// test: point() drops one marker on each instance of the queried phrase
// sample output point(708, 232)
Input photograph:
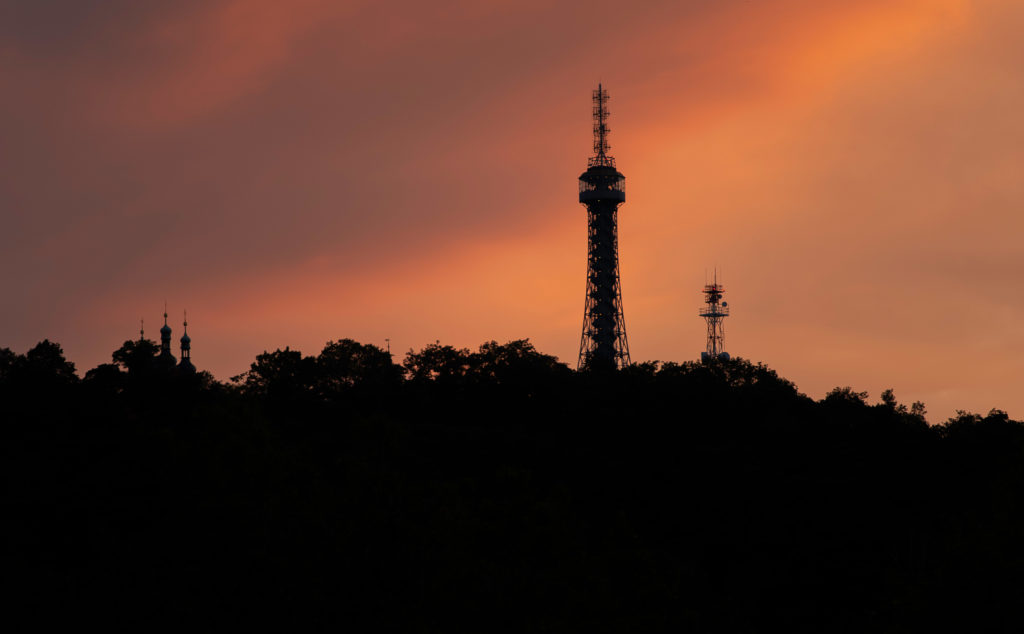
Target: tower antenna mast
point(601, 130)
point(714, 313)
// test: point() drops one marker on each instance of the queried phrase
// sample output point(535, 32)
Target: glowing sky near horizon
point(297, 172)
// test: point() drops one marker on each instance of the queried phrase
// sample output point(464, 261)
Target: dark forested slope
point(498, 490)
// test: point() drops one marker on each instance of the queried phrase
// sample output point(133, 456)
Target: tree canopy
point(498, 489)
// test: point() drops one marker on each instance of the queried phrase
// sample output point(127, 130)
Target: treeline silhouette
point(498, 490)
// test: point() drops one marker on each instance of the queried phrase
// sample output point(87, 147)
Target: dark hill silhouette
point(498, 490)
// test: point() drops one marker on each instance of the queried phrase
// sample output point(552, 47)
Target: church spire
point(186, 349)
point(166, 357)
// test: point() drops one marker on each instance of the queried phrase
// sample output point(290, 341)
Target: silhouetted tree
point(889, 400)
point(106, 377)
point(967, 425)
point(516, 362)
point(345, 366)
point(281, 375)
point(137, 357)
point(846, 396)
point(441, 363)
point(46, 359)
point(645, 370)
point(42, 367)
point(915, 414)
point(8, 361)
point(917, 410)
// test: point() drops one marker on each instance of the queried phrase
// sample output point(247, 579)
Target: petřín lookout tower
point(602, 190)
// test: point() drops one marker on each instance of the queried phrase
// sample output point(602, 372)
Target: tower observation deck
point(603, 343)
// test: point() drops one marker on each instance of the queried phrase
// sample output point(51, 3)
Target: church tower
point(186, 350)
point(166, 359)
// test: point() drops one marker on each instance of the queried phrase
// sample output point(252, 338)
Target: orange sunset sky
point(294, 172)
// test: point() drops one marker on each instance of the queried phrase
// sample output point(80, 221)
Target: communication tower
point(714, 313)
point(602, 189)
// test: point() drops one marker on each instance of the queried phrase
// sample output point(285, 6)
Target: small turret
point(186, 350)
point(166, 359)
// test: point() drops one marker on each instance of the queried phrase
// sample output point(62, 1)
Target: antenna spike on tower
point(601, 130)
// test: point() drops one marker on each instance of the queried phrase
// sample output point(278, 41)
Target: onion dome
point(186, 351)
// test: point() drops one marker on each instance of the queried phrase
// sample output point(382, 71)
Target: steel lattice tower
point(714, 313)
point(602, 189)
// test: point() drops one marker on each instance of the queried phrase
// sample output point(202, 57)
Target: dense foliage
point(498, 490)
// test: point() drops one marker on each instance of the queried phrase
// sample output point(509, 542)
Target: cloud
point(304, 171)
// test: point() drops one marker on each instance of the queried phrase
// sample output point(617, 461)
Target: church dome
point(165, 330)
point(186, 339)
